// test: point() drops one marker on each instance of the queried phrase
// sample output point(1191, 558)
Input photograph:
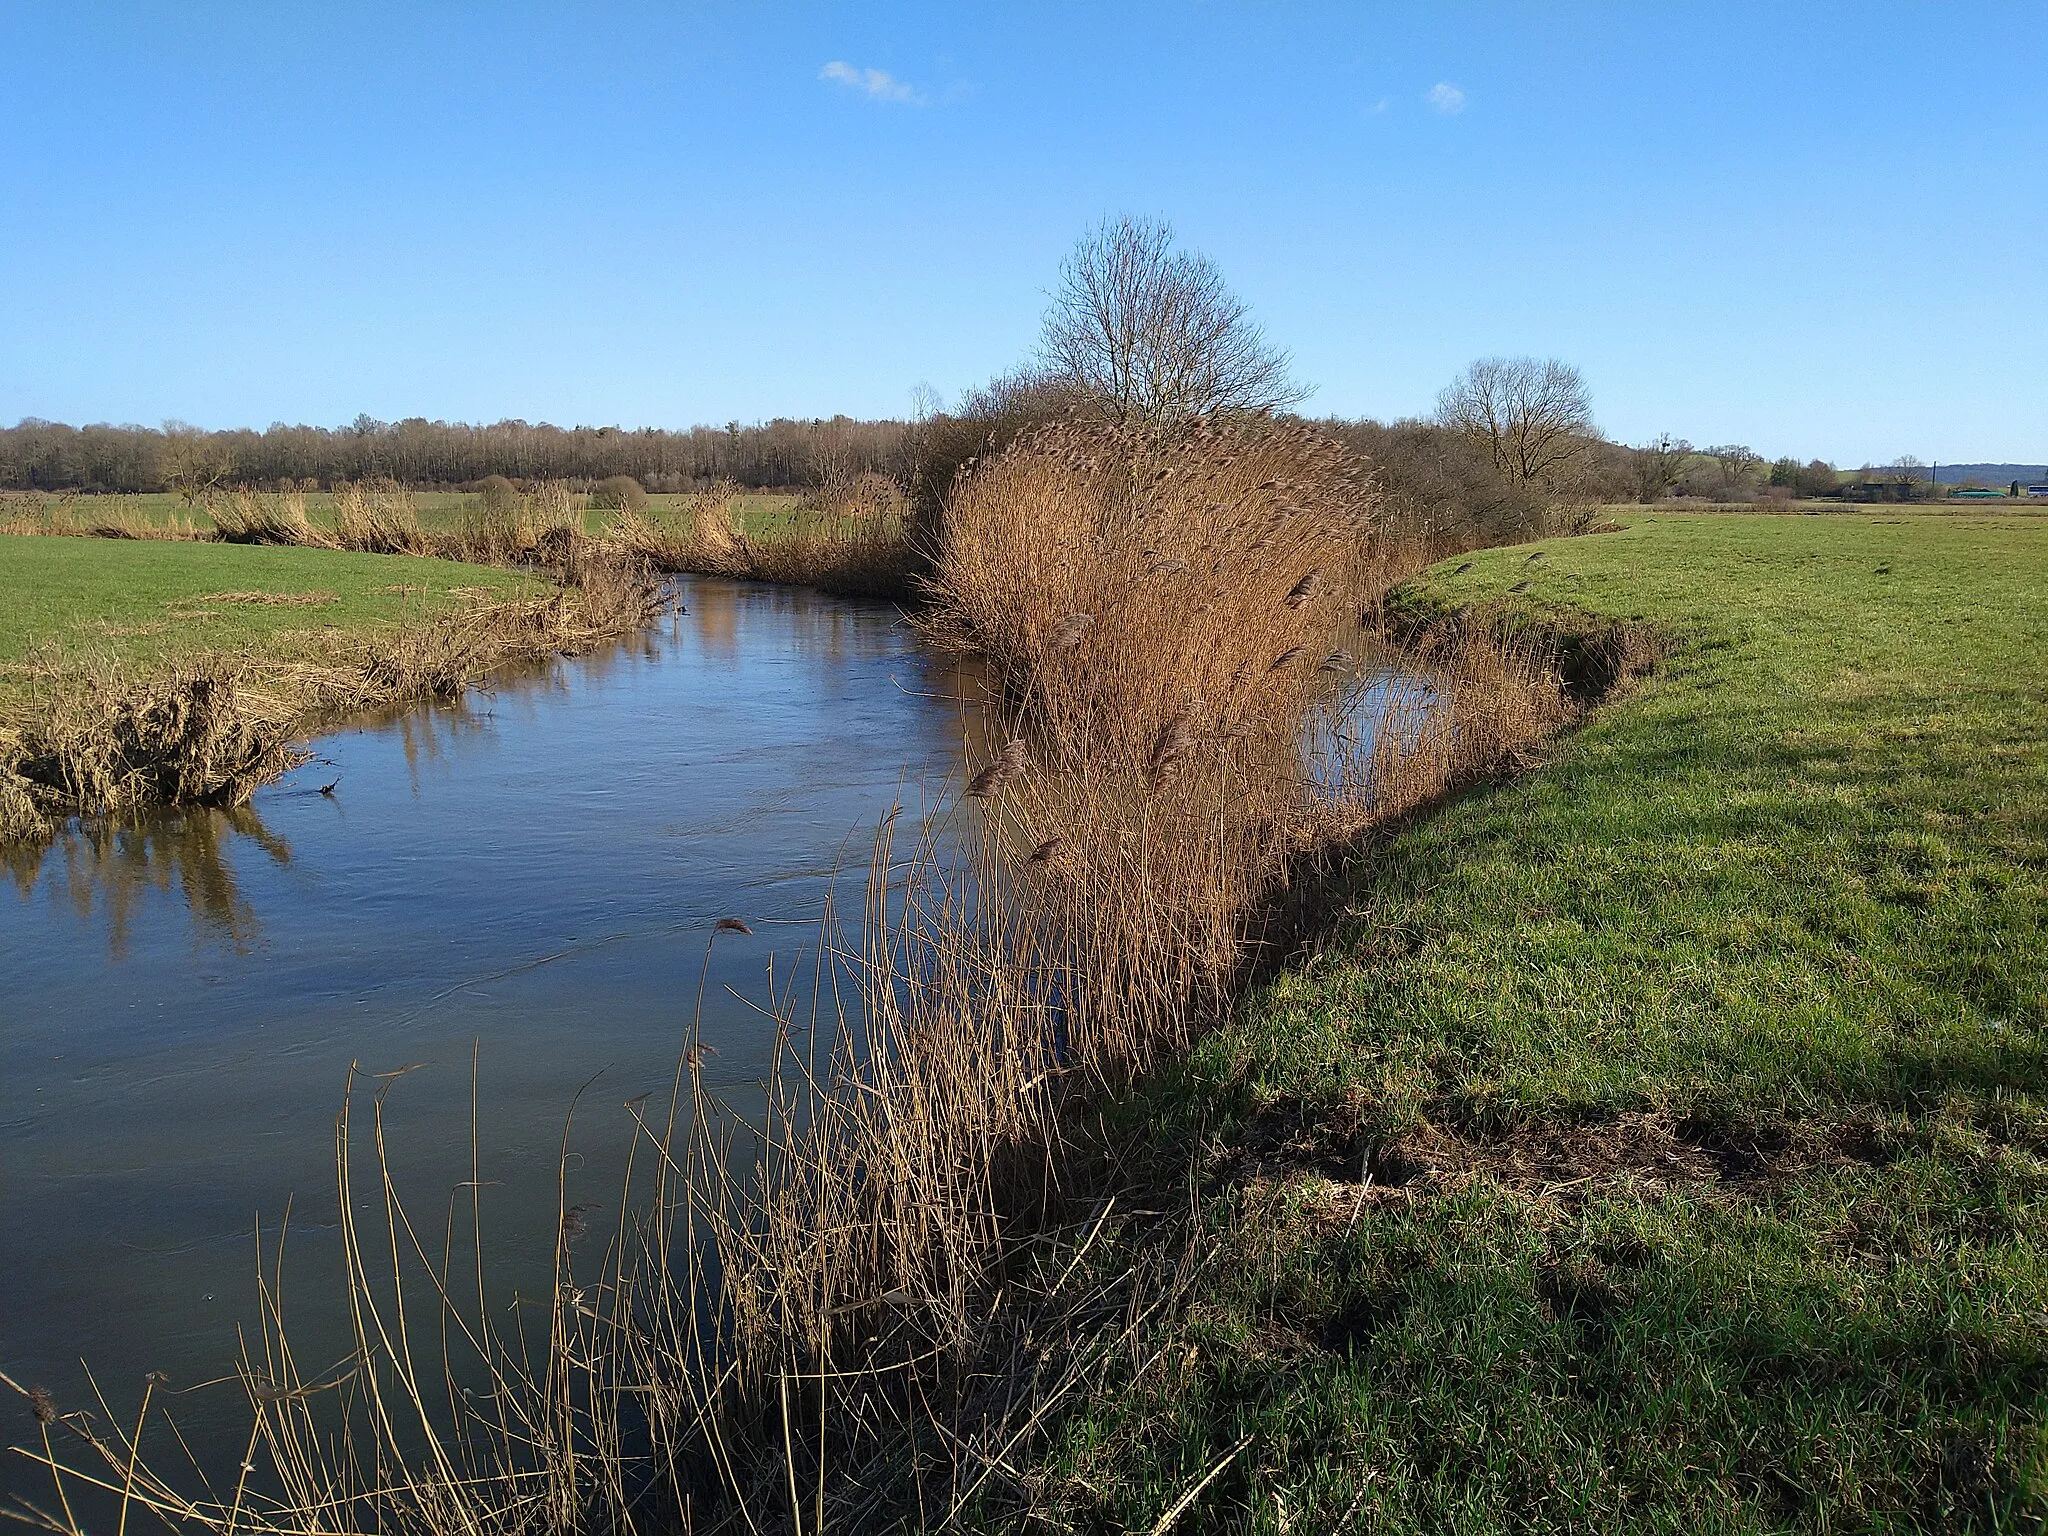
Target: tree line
point(48, 455)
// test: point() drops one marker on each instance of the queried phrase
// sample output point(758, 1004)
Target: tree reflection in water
point(108, 869)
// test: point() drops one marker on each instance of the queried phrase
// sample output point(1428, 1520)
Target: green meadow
point(150, 601)
point(1660, 1139)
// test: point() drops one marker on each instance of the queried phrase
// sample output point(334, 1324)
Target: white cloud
point(1445, 97)
point(1381, 105)
point(875, 84)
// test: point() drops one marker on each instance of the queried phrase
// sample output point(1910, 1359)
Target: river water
point(524, 880)
point(504, 900)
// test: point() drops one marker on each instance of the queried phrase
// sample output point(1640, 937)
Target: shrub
point(619, 493)
point(1139, 586)
point(1440, 488)
point(498, 495)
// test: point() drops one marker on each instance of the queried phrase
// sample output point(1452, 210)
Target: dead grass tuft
point(378, 517)
point(243, 516)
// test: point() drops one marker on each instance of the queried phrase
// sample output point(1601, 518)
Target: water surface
point(525, 879)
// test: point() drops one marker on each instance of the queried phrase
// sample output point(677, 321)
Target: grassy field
point(1701, 1079)
point(145, 601)
point(439, 511)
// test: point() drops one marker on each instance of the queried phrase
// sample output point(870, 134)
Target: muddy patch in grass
point(1642, 1153)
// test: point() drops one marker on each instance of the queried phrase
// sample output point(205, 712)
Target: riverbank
point(1660, 1139)
point(135, 672)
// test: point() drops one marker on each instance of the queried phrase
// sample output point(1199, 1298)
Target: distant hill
point(1990, 474)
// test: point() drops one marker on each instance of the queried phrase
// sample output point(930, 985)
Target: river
point(524, 879)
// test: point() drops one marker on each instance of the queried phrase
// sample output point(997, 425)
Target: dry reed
point(87, 516)
point(378, 517)
point(849, 537)
point(257, 517)
point(503, 527)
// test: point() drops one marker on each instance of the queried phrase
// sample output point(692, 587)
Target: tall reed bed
point(849, 536)
point(244, 516)
point(497, 527)
point(378, 517)
point(504, 526)
point(861, 1302)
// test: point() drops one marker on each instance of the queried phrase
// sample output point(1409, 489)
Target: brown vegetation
point(619, 493)
point(379, 518)
point(849, 536)
point(503, 526)
point(36, 512)
point(251, 517)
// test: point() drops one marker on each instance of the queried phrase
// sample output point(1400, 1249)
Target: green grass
point(1705, 1069)
point(139, 600)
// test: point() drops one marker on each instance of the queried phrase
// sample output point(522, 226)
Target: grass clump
point(378, 517)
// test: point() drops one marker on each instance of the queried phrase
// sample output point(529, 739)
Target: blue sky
point(1815, 229)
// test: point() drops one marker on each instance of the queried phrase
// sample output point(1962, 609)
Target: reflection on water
point(527, 874)
point(1372, 710)
point(106, 872)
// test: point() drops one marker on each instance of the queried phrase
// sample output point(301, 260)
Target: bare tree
point(1739, 460)
point(193, 462)
point(1657, 464)
point(1153, 335)
point(1535, 416)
